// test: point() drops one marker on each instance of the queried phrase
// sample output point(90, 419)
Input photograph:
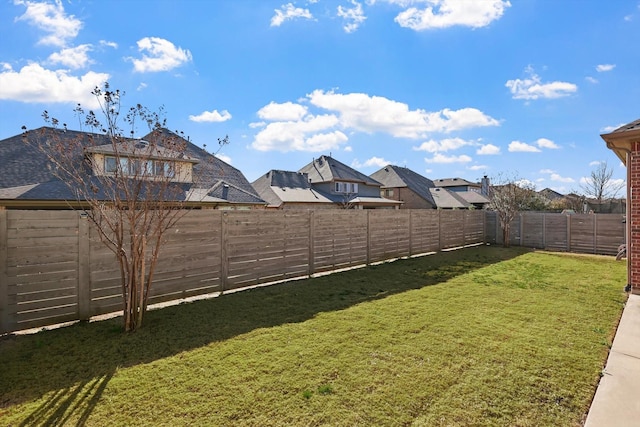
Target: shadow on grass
point(76, 362)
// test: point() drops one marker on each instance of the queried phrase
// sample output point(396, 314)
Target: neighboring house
point(27, 180)
point(550, 194)
point(290, 190)
point(347, 187)
point(416, 191)
point(475, 194)
point(625, 142)
point(407, 186)
point(446, 199)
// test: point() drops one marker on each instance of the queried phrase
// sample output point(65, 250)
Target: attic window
point(138, 167)
point(346, 187)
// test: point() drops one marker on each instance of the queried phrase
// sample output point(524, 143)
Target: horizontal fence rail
point(600, 234)
point(54, 268)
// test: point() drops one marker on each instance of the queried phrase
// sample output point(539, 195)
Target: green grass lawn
point(474, 337)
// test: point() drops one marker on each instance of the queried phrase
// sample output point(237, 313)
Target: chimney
point(484, 186)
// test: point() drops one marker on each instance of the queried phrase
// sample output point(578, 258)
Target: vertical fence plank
point(224, 244)
point(439, 229)
point(368, 238)
point(312, 248)
point(84, 271)
point(568, 233)
point(4, 280)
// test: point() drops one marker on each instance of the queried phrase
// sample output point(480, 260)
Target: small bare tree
point(133, 191)
point(600, 184)
point(507, 198)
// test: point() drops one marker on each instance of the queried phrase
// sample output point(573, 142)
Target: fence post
point(4, 279)
point(439, 230)
point(224, 259)
point(410, 232)
point(544, 230)
point(595, 233)
point(84, 270)
point(368, 238)
point(312, 249)
point(521, 229)
point(568, 233)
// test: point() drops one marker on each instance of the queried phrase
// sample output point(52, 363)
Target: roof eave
point(622, 143)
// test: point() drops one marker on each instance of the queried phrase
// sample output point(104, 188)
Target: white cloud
point(113, 45)
point(605, 67)
point(313, 133)
point(595, 163)
point(211, 117)
point(441, 158)
point(433, 146)
point(371, 114)
point(533, 88)
point(52, 19)
point(73, 57)
point(521, 147)
point(448, 13)
point(547, 143)
point(224, 158)
point(557, 178)
point(142, 86)
point(289, 12)
point(478, 167)
point(374, 161)
point(34, 84)
point(591, 79)
point(553, 176)
point(488, 149)
point(159, 55)
point(348, 149)
point(608, 129)
point(284, 111)
point(354, 16)
point(257, 125)
point(293, 127)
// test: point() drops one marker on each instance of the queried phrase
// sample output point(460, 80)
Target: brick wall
point(411, 200)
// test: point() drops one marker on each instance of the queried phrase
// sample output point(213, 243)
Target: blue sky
point(448, 88)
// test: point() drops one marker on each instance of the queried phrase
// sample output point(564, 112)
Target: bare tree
point(600, 184)
point(133, 191)
point(507, 198)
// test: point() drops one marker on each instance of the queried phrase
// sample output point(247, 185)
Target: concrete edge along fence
point(53, 267)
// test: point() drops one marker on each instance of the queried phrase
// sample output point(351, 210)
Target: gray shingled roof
point(328, 169)
point(278, 187)
point(628, 127)
point(22, 164)
point(446, 199)
point(398, 177)
point(454, 182)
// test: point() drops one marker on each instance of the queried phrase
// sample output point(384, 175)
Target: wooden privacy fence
point(53, 267)
point(585, 233)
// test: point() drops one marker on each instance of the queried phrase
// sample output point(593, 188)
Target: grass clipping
point(479, 336)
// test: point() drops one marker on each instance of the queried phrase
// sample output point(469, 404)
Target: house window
point(110, 165)
point(388, 192)
point(138, 167)
point(346, 187)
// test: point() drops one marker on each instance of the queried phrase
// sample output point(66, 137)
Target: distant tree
point(130, 190)
point(508, 197)
point(600, 184)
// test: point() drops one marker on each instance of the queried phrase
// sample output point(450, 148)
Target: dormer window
point(346, 187)
point(138, 167)
point(141, 160)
